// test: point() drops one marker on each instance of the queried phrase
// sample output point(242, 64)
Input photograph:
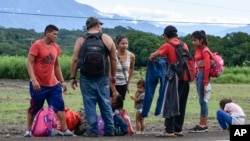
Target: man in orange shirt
point(46, 79)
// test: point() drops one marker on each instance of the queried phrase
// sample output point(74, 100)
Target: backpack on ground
point(72, 119)
point(92, 59)
point(82, 126)
point(44, 123)
point(185, 65)
point(217, 68)
point(100, 125)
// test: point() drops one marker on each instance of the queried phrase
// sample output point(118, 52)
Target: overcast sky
point(208, 11)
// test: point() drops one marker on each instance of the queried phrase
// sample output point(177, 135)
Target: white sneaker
point(67, 133)
point(27, 134)
point(138, 132)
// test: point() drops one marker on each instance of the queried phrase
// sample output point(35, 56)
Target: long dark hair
point(200, 35)
point(119, 38)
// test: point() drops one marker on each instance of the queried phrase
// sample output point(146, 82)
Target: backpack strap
point(201, 62)
point(99, 35)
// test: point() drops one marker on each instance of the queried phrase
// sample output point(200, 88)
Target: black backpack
point(92, 59)
point(185, 64)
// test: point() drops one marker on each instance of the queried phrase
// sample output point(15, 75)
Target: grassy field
point(14, 101)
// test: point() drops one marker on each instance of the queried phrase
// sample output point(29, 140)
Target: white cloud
point(206, 11)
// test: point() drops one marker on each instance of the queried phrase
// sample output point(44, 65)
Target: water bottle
point(207, 92)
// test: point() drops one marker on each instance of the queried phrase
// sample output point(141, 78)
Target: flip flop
point(163, 135)
point(179, 134)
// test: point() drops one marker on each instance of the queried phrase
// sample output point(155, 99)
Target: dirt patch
point(9, 130)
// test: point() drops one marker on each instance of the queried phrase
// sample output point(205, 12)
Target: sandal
point(166, 135)
point(179, 134)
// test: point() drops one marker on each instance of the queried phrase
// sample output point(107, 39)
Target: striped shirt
point(120, 78)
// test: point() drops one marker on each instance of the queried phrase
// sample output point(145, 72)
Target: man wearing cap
point(97, 89)
point(176, 95)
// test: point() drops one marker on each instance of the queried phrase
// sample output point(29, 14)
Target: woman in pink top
point(230, 114)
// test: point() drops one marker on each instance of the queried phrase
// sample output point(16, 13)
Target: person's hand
point(64, 86)
point(115, 94)
point(73, 83)
point(36, 86)
point(112, 80)
point(152, 57)
point(132, 97)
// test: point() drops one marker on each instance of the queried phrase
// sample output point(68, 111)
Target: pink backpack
point(44, 122)
point(218, 68)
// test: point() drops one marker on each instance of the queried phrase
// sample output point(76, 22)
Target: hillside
point(68, 14)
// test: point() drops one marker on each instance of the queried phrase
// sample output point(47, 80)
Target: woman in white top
point(230, 114)
point(125, 67)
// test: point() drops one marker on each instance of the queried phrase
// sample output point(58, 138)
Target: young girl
point(202, 57)
point(138, 98)
point(230, 114)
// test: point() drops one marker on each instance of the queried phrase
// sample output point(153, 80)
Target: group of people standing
point(46, 80)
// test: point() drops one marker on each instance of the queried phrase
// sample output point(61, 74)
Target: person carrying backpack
point(94, 54)
point(199, 40)
point(177, 89)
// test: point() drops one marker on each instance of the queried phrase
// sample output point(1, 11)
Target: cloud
point(143, 13)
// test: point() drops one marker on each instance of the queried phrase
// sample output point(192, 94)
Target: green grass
point(14, 102)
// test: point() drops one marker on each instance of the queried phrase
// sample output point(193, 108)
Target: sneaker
point(67, 133)
point(85, 134)
point(137, 132)
point(110, 134)
point(55, 132)
point(199, 129)
point(27, 134)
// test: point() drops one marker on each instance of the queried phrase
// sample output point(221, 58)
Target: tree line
point(234, 47)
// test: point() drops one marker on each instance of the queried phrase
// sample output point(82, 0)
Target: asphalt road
point(209, 136)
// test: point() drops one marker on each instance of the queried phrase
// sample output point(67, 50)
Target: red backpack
point(72, 119)
point(218, 67)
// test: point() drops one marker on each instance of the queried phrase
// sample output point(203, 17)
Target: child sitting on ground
point(121, 127)
point(230, 114)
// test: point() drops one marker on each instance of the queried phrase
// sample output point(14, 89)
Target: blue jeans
point(118, 120)
point(224, 119)
point(155, 71)
point(97, 91)
point(200, 91)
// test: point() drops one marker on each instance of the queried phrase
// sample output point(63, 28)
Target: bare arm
point(112, 57)
point(136, 99)
point(131, 68)
point(29, 66)
point(153, 55)
point(74, 63)
point(58, 74)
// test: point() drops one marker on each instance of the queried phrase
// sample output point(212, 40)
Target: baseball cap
point(170, 29)
point(92, 21)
